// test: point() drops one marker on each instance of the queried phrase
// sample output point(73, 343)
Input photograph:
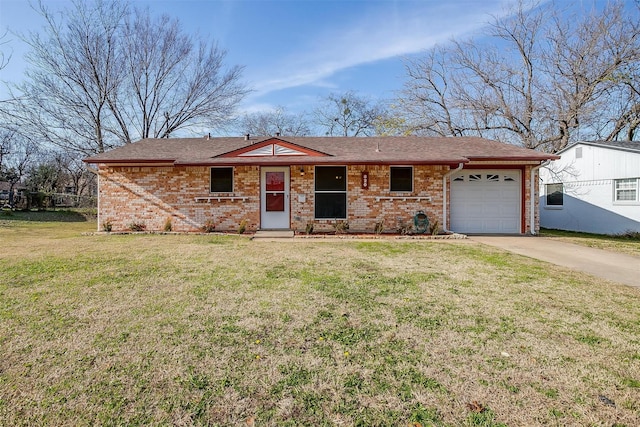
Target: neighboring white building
point(594, 187)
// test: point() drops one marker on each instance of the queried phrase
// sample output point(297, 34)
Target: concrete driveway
point(608, 265)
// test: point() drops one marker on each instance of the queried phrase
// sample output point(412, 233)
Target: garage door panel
point(486, 201)
point(493, 211)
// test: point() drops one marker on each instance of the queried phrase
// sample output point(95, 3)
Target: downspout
point(532, 201)
point(444, 195)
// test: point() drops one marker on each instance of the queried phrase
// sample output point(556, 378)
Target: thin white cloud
point(374, 37)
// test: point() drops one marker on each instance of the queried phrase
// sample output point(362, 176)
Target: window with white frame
point(555, 194)
point(401, 178)
point(626, 190)
point(221, 180)
point(331, 192)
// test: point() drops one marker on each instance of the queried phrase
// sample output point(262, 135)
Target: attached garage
point(486, 201)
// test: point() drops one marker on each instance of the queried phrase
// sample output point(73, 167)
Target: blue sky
point(296, 51)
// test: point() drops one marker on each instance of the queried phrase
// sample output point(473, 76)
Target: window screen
point(331, 192)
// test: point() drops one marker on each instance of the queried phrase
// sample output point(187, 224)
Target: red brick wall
point(152, 195)
point(527, 207)
point(363, 210)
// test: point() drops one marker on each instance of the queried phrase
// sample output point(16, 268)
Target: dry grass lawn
point(626, 244)
point(220, 330)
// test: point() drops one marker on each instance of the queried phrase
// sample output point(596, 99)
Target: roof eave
point(532, 159)
point(94, 160)
point(292, 160)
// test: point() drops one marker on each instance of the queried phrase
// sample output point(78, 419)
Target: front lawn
point(626, 244)
point(221, 330)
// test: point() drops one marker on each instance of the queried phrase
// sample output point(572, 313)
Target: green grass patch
point(52, 215)
point(627, 243)
point(220, 330)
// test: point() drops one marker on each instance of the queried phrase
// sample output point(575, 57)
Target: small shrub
point(630, 234)
point(341, 227)
point(379, 227)
point(137, 226)
point(243, 226)
point(107, 226)
point(209, 226)
point(168, 226)
point(404, 228)
point(434, 228)
point(309, 228)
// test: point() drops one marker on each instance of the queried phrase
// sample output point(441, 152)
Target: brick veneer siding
point(152, 195)
point(363, 210)
point(527, 193)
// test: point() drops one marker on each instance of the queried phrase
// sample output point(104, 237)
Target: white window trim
point(626, 202)
point(412, 179)
point(233, 179)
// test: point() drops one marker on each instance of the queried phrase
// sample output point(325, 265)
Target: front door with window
point(274, 198)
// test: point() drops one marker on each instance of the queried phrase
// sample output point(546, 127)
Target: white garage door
point(485, 201)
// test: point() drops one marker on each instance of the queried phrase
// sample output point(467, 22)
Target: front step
point(274, 234)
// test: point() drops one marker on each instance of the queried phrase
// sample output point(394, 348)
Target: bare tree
point(348, 114)
point(102, 75)
point(275, 122)
point(547, 80)
point(74, 68)
point(19, 153)
point(171, 81)
point(7, 136)
point(428, 100)
point(4, 57)
point(584, 61)
point(623, 120)
point(75, 174)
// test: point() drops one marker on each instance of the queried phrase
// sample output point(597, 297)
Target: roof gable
point(273, 147)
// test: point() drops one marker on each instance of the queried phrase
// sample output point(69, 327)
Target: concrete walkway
point(608, 265)
point(273, 234)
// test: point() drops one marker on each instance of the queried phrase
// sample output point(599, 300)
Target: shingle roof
point(369, 150)
point(633, 146)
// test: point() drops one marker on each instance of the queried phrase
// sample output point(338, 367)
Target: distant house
point(594, 187)
point(5, 193)
point(468, 185)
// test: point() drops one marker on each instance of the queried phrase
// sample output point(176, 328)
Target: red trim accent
point(523, 204)
point(248, 148)
point(543, 156)
point(513, 167)
point(523, 201)
point(260, 195)
point(303, 160)
point(126, 161)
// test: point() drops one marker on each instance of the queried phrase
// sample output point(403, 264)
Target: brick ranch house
point(466, 184)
